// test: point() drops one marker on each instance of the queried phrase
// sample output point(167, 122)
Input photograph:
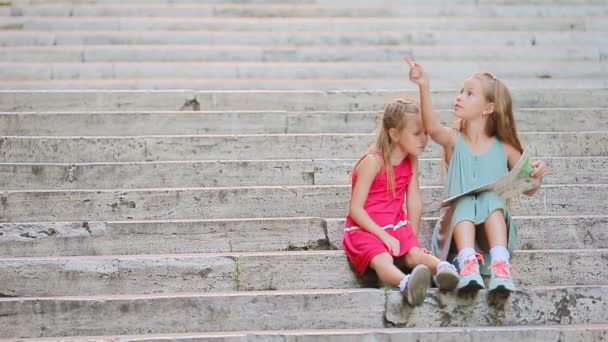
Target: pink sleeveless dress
point(387, 211)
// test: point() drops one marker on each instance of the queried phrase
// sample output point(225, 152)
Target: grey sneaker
point(447, 277)
point(419, 282)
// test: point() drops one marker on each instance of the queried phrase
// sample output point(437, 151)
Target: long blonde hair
point(394, 116)
point(501, 123)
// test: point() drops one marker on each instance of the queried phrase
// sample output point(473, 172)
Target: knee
point(414, 255)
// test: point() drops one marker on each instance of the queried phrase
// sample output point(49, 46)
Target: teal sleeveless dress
point(467, 171)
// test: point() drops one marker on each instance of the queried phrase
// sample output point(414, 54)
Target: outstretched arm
point(440, 134)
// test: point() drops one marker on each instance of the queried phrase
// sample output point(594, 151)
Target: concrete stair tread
point(292, 100)
point(211, 272)
point(304, 10)
point(314, 309)
point(240, 173)
point(241, 202)
point(268, 84)
point(129, 123)
point(40, 239)
point(437, 334)
point(87, 149)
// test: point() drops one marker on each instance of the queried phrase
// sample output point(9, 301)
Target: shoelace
point(501, 269)
point(471, 265)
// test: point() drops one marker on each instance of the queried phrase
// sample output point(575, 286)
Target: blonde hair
point(501, 122)
point(394, 116)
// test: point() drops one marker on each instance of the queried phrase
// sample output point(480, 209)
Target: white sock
point(464, 255)
point(403, 283)
point(445, 264)
point(500, 253)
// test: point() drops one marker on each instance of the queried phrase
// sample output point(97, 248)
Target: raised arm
point(442, 135)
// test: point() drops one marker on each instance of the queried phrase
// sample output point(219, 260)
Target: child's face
point(413, 138)
point(471, 103)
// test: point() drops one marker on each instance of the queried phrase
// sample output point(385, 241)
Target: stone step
point(306, 309)
point(570, 332)
point(233, 84)
point(172, 21)
point(293, 70)
point(334, 2)
point(96, 315)
point(515, 39)
point(253, 235)
point(263, 202)
point(310, 10)
point(261, 100)
point(263, 122)
point(78, 149)
point(287, 53)
point(226, 173)
point(179, 273)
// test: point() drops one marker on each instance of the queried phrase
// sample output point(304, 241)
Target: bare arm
point(414, 203)
point(440, 134)
point(367, 170)
point(540, 167)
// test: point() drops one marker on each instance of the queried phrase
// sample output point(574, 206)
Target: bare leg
point(496, 229)
point(385, 268)
point(416, 257)
point(464, 235)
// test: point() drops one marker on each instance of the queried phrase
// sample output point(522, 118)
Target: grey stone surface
point(258, 100)
point(291, 70)
point(251, 202)
point(532, 306)
point(162, 237)
point(75, 149)
point(37, 176)
point(150, 314)
point(73, 276)
point(279, 53)
point(264, 122)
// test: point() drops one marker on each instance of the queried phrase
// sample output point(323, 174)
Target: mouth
point(457, 106)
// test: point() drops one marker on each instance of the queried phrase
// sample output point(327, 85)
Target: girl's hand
point(540, 169)
point(391, 243)
point(417, 74)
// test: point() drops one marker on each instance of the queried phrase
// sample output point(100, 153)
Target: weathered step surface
point(571, 332)
point(76, 149)
point(256, 100)
point(257, 38)
point(293, 70)
point(178, 273)
point(312, 10)
point(285, 53)
point(42, 239)
point(263, 122)
point(311, 309)
point(242, 84)
point(97, 21)
point(232, 311)
point(246, 202)
point(225, 173)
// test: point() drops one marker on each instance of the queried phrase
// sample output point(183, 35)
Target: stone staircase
point(179, 169)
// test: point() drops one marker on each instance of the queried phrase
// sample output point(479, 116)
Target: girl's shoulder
point(371, 162)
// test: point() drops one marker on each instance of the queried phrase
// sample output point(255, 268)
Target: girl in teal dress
point(483, 148)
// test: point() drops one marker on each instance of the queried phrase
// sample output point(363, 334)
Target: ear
point(488, 108)
point(392, 132)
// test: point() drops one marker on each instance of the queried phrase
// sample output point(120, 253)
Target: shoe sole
point(501, 289)
point(472, 286)
point(420, 280)
point(447, 281)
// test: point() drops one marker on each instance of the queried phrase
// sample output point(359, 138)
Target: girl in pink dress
point(378, 229)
